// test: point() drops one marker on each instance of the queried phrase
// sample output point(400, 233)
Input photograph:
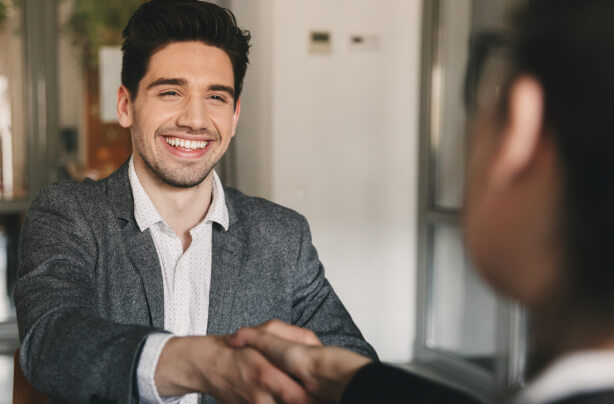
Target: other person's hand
point(324, 371)
point(231, 375)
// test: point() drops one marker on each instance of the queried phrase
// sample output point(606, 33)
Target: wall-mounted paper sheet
point(110, 58)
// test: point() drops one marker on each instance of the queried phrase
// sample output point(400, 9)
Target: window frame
point(510, 323)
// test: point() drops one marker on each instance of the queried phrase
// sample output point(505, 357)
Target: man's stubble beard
point(167, 176)
point(174, 180)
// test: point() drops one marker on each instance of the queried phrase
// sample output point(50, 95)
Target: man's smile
point(186, 148)
point(185, 143)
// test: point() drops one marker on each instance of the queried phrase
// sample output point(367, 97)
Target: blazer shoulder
point(254, 210)
point(67, 194)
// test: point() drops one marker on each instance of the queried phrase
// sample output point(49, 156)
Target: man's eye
point(169, 93)
point(218, 98)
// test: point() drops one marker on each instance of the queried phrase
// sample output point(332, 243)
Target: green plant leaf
point(2, 13)
point(96, 23)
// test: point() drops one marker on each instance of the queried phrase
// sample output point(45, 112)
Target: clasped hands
point(271, 363)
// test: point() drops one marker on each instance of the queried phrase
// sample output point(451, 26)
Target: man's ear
point(235, 119)
point(521, 132)
point(124, 107)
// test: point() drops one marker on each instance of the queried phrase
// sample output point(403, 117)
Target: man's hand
point(323, 371)
point(231, 375)
point(288, 332)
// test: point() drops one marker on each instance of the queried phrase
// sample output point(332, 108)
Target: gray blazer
point(89, 288)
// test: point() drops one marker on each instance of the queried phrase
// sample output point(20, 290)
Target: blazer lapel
point(227, 258)
point(144, 257)
point(139, 245)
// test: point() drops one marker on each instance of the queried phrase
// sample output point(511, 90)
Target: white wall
point(334, 136)
point(253, 144)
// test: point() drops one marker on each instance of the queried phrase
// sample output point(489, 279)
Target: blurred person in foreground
point(539, 219)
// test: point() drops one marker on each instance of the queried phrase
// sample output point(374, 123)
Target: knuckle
point(269, 324)
point(310, 337)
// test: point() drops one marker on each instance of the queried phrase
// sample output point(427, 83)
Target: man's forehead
point(190, 60)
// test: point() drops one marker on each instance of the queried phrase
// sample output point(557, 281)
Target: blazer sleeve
point(69, 351)
point(316, 305)
point(379, 383)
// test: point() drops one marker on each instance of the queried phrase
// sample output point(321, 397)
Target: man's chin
point(173, 178)
point(183, 182)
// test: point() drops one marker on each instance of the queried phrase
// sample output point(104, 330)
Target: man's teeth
point(186, 144)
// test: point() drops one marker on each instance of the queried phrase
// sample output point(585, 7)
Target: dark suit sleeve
point(379, 383)
point(316, 305)
point(69, 351)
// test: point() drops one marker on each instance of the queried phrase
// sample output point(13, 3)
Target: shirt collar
point(218, 211)
point(146, 214)
point(575, 373)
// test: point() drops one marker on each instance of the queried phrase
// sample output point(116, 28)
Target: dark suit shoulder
point(595, 397)
point(380, 383)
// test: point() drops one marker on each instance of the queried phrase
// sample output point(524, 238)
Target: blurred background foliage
point(2, 12)
point(92, 23)
point(5, 6)
point(96, 23)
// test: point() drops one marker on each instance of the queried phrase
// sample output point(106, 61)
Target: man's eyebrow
point(167, 82)
point(163, 81)
point(221, 87)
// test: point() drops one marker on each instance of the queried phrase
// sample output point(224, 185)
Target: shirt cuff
point(148, 392)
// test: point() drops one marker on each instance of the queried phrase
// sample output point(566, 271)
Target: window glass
point(448, 120)
point(463, 309)
point(13, 145)
point(13, 148)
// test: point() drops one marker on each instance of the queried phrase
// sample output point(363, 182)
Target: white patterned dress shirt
point(186, 280)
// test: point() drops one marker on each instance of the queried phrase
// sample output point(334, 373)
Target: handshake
point(271, 363)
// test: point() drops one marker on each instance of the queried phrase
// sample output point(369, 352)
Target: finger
point(284, 388)
point(246, 336)
point(236, 340)
point(290, 332)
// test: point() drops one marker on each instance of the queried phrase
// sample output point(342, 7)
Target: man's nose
point(194, 115)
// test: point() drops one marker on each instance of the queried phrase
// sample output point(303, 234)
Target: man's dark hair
point(568, 46)
point(158, 23)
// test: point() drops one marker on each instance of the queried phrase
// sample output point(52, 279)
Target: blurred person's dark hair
point(568, 46)
point(483, 46)
point(158, 23)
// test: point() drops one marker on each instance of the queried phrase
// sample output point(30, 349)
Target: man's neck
point(181, 208)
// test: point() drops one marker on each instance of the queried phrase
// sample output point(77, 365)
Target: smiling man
point(128, 285)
